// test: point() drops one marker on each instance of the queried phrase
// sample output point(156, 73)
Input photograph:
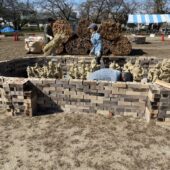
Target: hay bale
point(59, 49)
point(110, 30)
point(82, 29)
point(78, 46)
point(55, 45)
point(121, 47)
point(62, 26)
point(106, 47)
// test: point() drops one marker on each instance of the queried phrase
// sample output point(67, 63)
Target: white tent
point(148, 18)
point(167, 18)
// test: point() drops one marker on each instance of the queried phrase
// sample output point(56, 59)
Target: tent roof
point(168, 18)
point(148, 18)
point(7, 29)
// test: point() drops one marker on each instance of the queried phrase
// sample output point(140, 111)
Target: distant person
point(48, 32)
point(96, 41)
point(107, 74)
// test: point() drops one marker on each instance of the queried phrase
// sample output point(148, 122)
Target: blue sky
point(79, 1)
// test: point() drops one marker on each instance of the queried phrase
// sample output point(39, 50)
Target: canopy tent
point(7, 30)
point(148, 18)
point(168, 18)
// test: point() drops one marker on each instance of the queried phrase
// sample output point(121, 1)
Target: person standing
point(96, 41)
point(48, 32)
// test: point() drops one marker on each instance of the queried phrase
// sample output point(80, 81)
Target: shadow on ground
point(137, 52)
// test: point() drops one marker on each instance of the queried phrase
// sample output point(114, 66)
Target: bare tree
point(103, 9)
point(160, 6)
point(125, 8)
point(99, 9)
point(156, 6)
point(1, 3)
point(1, 7)
point(86, 9)
point(13, 10)
point(116, 9)
point(57, 8)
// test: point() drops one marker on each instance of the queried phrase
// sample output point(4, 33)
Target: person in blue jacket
point(96, 41)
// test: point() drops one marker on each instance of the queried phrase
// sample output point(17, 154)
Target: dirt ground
point(10, 49)
point(153, 47)
point(79, 141)
point(82, 142)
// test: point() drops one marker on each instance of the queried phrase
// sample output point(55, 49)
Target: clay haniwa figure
point(115, 66)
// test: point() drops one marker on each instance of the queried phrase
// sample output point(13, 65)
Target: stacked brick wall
point(20, 96)
point(14, 99)
point(158, 104)
point(152, 107)
point(164, 105)
point(92, 96)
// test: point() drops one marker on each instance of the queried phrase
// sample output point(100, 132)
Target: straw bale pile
point(110, 30)
point(78, 46)
point(121, 47)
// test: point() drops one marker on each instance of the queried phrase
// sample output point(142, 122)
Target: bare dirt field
point(10, 49)
point(80, 141)
point(153, 47)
